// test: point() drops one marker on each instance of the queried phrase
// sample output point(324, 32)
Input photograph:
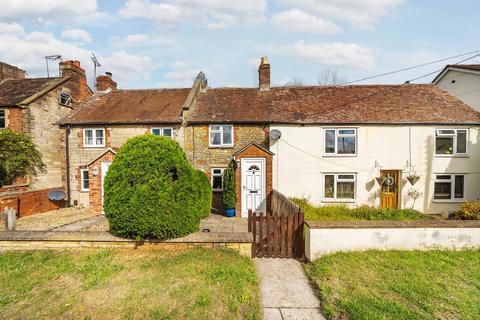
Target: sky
point(165, 43)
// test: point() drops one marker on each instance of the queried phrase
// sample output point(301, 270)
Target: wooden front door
point(389, 188)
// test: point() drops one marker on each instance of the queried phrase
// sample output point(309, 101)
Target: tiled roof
point(14, 91)
point(475, 67)
point(355, 104)
point(131, 106)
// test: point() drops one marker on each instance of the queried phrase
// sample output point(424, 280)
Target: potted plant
point(413, 178)
point(229, 196)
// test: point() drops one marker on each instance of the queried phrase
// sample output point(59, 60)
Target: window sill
point(452, 156)
point(217, 190)
point(93, 147)
point(327, 155)
point(85, 191)
point(221, 147)
point(338, 201)
point(449, 201)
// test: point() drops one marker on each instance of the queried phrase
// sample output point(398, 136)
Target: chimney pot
point(264, 75)
point(109, 74)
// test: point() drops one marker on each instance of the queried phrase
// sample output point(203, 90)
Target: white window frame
point(222, 171)
point(4, 118)
point(438, 132)
point(161, 129)
point(335, 181)
point(452, 187)
point(94, 138)
point(222, 144)
point(82, 188)
point(337, 135)
point(68, 97)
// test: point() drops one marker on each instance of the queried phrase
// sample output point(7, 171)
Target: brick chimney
point(8, 71)
point(78, 80)
point(106, 83)
point(264, 75)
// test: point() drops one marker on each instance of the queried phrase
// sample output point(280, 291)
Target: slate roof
point(131, 107)
point(14, 91)
point(354, 104)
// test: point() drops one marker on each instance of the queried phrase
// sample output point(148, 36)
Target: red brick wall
point(95, 186)
point(28, 203)
point(253, 152)
point(15, 119)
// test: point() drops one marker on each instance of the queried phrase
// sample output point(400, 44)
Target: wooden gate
point(276, 235)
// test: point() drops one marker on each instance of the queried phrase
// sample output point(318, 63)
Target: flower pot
point(230, 213)
point(413, 179)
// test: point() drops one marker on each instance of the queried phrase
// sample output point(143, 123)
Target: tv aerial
point(96, 64)
point(52, 58)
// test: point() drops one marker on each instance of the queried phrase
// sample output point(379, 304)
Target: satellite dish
point(275, 134)
point(56, 195)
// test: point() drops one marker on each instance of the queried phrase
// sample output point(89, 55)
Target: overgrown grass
point(343, 213)
point(399, 284)
point(198, 284)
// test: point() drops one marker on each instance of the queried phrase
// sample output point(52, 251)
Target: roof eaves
point(44, 91)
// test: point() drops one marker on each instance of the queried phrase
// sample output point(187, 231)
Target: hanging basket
point(413, 179)
point(380, 180)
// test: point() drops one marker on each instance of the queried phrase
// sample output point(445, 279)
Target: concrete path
point(285, 292)
point(82, 224)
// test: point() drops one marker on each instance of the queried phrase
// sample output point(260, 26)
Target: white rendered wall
point(463, 85)
point(299, 163)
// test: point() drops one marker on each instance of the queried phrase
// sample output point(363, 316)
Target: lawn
point(198, 284)
point(399, 284)
point(343, 213)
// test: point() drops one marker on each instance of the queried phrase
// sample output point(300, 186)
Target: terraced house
point(383, 145)
point(33, 106)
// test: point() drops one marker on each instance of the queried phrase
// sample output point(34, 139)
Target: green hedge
point(205, 194)
point(344, 213)
point(229, 194)
point(152, 191)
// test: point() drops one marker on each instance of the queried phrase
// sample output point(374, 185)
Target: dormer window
point(65, 99)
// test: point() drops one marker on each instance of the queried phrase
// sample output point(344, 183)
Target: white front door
point(105, 166)
point(253, 186)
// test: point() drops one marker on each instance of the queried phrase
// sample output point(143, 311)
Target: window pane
point(461, 141)
point(329, 141)
point(443, 190)
point(444, 177)
point(215, 128)
point(217, 182)
point(446, 131)
point(215, 138)
point(85, 181)
point(329, 186)
point(217, 171)
point(167, 132)
point(2, 119)
point(346, 145)
point(444, 145)
point(346, 177)
point(88, 137)
point(227, 135)
point(156, 131)
point(459, 185)
point(349, 131)
point(345, 190)
point(99, 137)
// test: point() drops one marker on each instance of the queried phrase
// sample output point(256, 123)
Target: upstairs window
point(3, 123)
point(217, 179)
point(165, 132)
point(94, 137)
point(451, 142)
point(221, 136)
point(65, 99)
point(339, 186)
point(449, 187)
point(340, 141)
point(85, 181)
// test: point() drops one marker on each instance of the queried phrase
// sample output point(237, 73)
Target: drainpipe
point(67, 160)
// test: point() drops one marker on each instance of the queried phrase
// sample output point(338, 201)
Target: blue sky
point(164, 43)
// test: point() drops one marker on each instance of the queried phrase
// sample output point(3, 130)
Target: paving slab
point(285, 292)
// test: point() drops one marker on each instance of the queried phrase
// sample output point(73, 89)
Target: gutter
point(67, 166)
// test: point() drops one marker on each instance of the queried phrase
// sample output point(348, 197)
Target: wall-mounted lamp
point(95, 171)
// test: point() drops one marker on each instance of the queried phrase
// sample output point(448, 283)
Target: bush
point(152, 191)
point(344, 213)
point(470, 210)
point(229, 195)
point(205, 194)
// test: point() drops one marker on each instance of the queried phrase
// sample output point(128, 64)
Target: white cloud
point(127, 67)
point(299, 21)
point(212, 14)
point(140, 39)
point(254, 62)
point(77, 34)
point(49, 9)
point(333, 54)
point(360, 14)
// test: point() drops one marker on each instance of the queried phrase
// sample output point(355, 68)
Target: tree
point(229, 195)
point(152, 191)
point(19, 157)
point(329, 77)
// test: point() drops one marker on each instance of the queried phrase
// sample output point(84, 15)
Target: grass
point(399, 284)
point(344, 213)
point(198, 284)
